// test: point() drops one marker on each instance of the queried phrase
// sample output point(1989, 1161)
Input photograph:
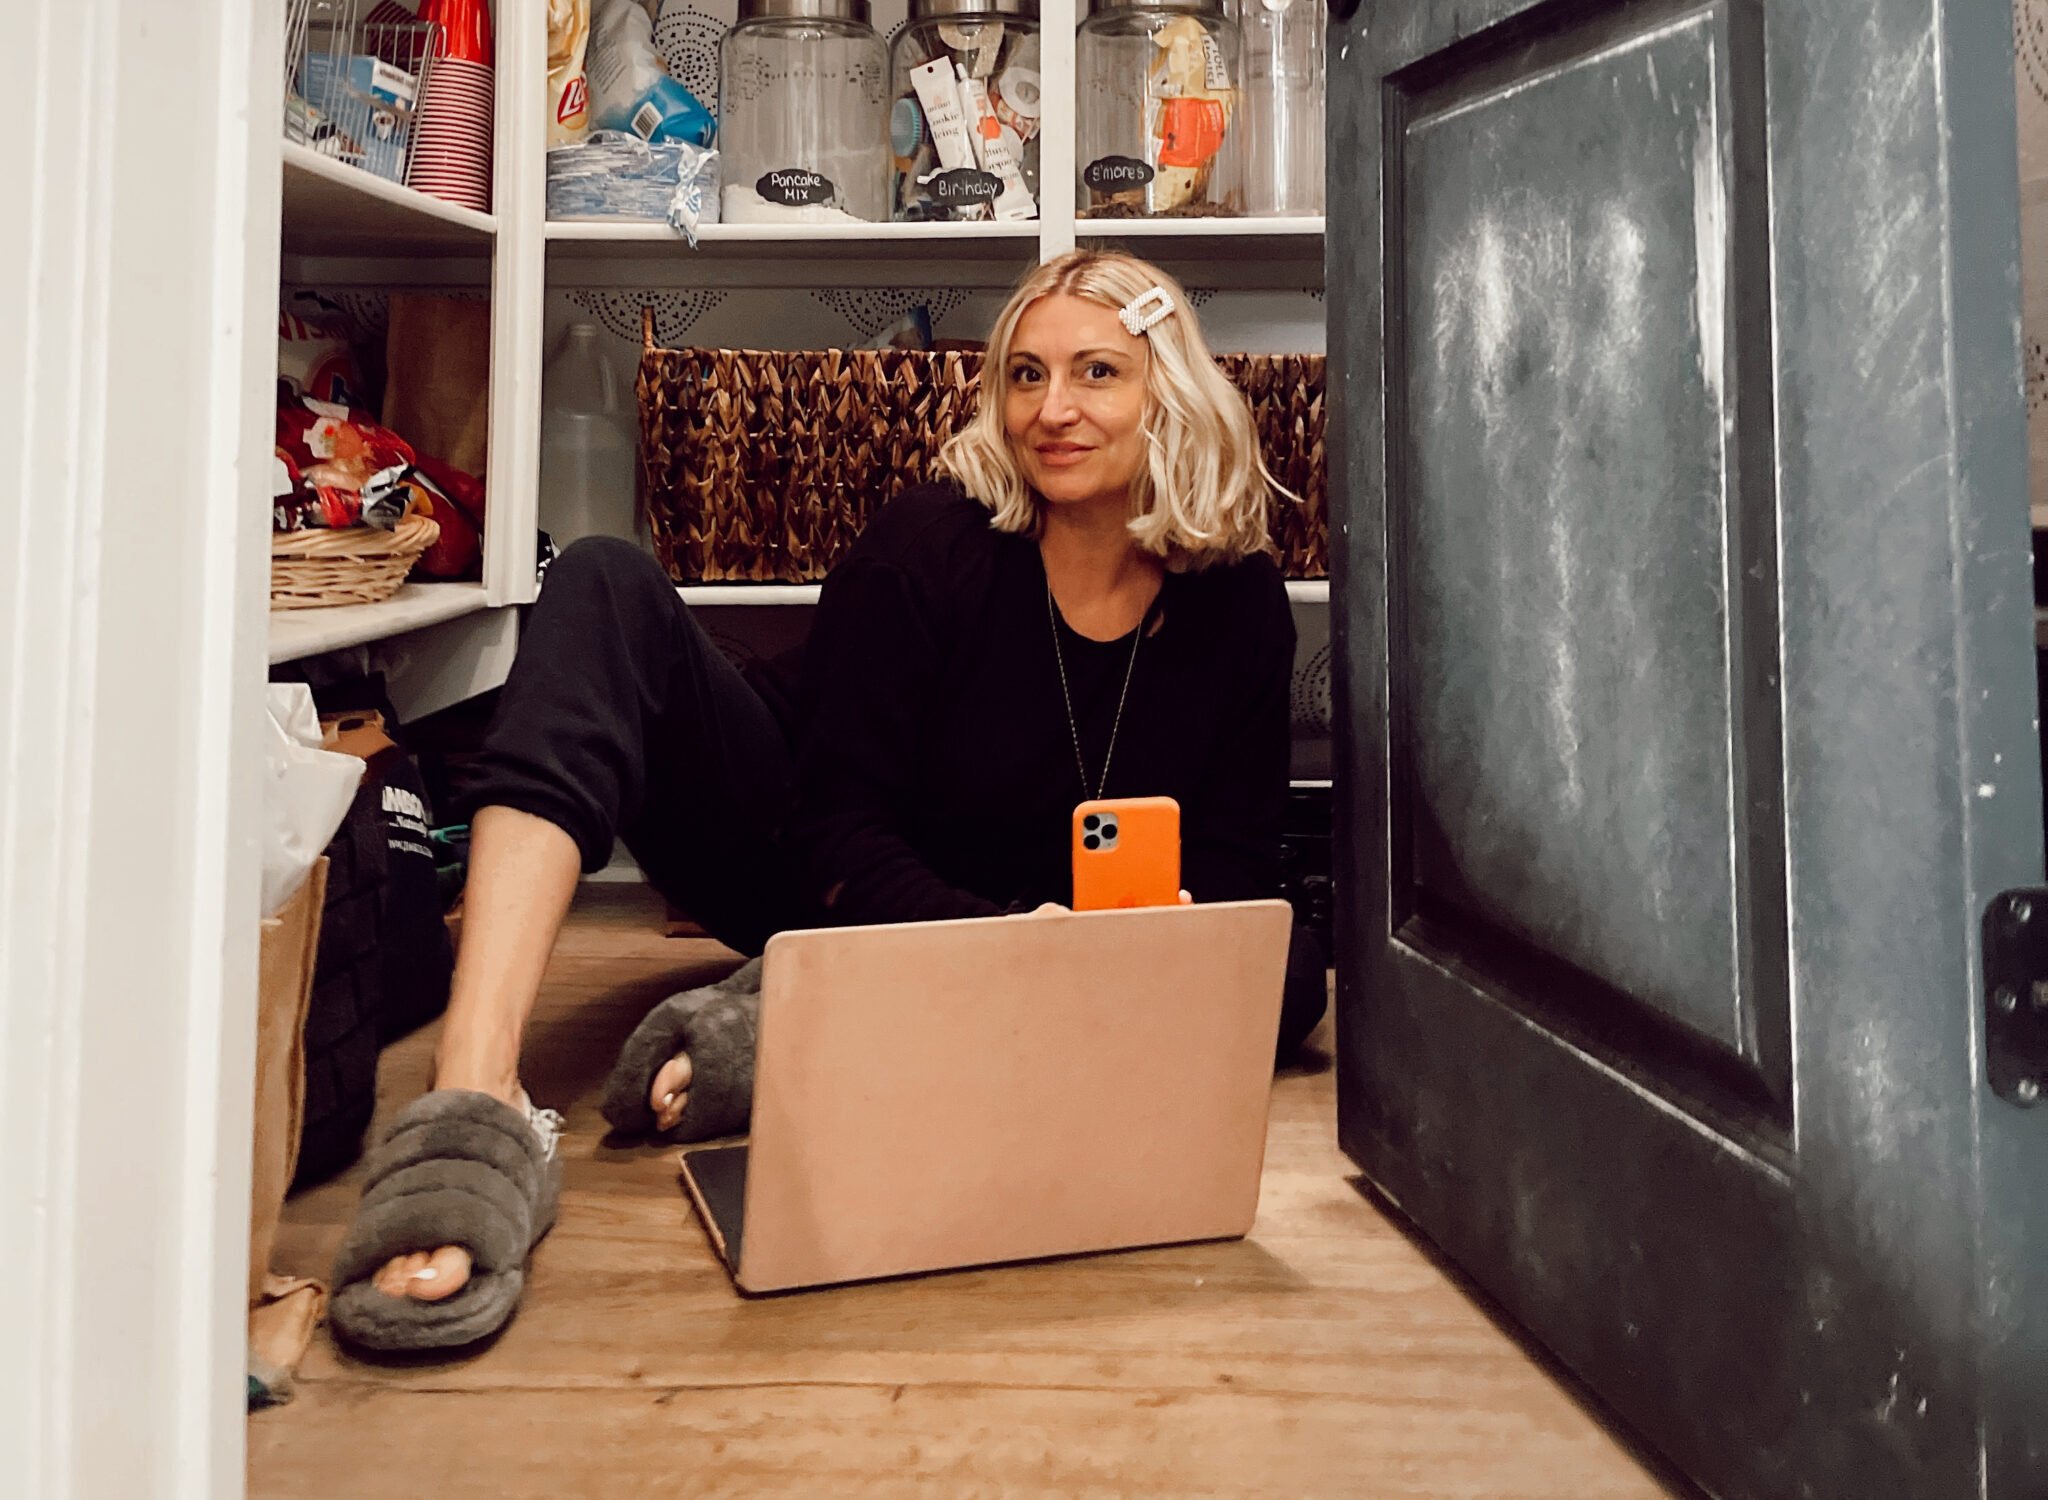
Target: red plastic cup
point(466, 27)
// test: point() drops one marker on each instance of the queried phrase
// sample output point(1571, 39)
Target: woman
point(1084, 608)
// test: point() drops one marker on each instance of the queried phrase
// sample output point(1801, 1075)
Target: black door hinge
point(2016, 996)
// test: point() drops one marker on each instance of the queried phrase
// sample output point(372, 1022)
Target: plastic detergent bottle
point(586, 443)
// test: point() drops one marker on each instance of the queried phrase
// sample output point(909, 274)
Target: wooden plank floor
point(1324, 1355)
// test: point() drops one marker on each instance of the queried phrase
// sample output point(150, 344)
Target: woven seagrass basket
point(358, 565)
point(763, 467)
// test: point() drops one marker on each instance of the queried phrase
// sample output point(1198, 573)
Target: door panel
point(1567, 667)
point(1683, 680)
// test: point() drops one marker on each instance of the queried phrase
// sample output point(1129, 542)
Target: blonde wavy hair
point(1200, 497)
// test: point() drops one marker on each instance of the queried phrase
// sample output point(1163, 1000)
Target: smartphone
point(1126, 853)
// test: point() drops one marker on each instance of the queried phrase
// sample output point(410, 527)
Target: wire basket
point(353, 83)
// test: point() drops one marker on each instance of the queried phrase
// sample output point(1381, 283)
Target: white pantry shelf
point(1222, 230)
point(1239, 252)
point(1299, 591)
point(334, 209)
point(295, 633)
point(701, 594)
point(774, 255)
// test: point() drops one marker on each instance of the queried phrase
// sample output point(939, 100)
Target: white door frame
point(138, 274)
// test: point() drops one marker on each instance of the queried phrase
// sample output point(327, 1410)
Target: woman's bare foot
point(670, 1095)
point(686, 1073)
point(432, 1276)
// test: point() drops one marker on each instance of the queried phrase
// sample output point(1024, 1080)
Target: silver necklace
point(1052, 615)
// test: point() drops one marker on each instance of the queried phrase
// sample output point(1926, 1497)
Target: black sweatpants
point(621, 719)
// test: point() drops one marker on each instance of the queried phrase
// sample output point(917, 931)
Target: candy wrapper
point(335, 469)
point(384, 501)
point(337, 445)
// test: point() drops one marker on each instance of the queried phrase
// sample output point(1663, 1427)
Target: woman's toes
point(397, 1272)
point(442, 1274)
point(424, 1277)
point(671, 1092)
point(670, 1114)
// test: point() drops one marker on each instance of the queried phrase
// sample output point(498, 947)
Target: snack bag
point(1189, 99)
point(332, 445)
point(568, 88)
point(333, 469)
point(314, 354)
point(454, 501)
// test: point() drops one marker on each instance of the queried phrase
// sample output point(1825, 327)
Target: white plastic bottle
point(586, 443)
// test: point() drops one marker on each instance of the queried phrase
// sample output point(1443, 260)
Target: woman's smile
point(1061, 454)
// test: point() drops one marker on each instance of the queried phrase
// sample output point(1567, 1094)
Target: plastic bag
point(306, 792)
point(629, 88)
point(695, 203)
point(315, 352)
point(617, 176)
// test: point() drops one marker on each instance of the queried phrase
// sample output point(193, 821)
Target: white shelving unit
point(389, 236)
point(342, 227)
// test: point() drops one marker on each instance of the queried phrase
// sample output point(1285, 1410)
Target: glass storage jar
point(801, 125)
point(963, 124)
point(1158, 101)
point(1277, 142)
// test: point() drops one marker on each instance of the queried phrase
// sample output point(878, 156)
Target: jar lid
point(805, 10)
point(1192, 7)
point(926, 10)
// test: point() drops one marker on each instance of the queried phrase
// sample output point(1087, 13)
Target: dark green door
point(1683, 653)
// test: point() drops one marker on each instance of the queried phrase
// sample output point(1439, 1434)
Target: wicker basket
point(359, 565)
point(763, 467)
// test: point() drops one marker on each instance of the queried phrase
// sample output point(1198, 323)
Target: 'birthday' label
point(964, 185)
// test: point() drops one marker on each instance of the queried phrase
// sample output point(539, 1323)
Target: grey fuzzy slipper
point(716, 1026)
point(456, 1168)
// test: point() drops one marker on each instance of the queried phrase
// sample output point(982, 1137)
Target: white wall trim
point(138, 264)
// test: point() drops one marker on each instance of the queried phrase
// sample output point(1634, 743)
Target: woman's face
point(1074, 403)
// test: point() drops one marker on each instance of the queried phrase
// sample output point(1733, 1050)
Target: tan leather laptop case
point(952, 1094)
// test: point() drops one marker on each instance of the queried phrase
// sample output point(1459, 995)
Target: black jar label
point(961, 185)
point(793, 187)
point(1116, 173)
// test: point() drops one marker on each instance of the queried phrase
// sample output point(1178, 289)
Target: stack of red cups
point(451, 155)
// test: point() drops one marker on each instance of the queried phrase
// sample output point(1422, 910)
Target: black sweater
point(935, 761)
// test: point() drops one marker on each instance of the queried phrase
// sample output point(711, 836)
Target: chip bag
point(568, 88)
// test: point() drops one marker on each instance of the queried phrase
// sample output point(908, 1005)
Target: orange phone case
point(1126, 853)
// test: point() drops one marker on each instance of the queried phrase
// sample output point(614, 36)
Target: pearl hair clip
point(1146, 309)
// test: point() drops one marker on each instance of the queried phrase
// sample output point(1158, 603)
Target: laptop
point(938, 1095)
